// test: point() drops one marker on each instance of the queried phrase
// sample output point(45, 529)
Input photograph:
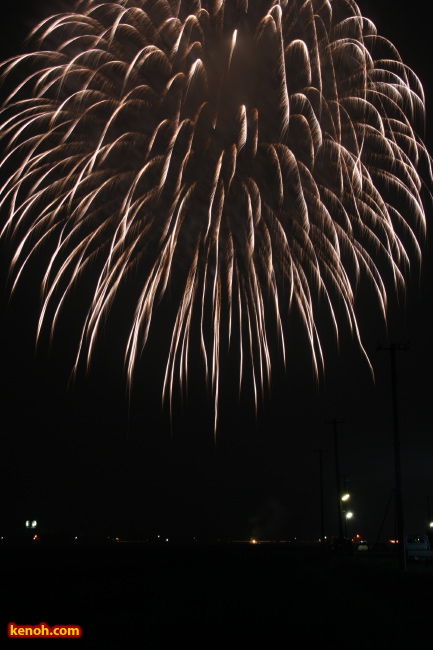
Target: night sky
point(83, 457)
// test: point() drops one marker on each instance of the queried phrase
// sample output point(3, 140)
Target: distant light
point(349, 515)
point(431, 524)
point(31, 524)
point(166, 540)
point(253, 541)
point(345, 497)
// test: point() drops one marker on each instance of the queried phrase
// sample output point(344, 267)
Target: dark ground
point(201, 596)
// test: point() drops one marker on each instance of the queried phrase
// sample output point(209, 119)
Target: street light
point(345, 498)
point(348, 515)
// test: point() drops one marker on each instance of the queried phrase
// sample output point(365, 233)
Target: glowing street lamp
point(347, 515)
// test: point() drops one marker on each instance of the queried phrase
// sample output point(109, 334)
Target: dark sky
point(81, 456)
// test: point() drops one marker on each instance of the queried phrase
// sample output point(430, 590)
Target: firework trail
point(261, 156)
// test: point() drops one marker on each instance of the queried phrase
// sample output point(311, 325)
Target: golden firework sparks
point(263, 153)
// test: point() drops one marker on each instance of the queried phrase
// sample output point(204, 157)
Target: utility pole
point(322, 506)
point(335, 423)
point(397, 455)
point(345, 513)
point(384, 517)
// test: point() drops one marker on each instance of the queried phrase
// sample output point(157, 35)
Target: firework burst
point(259, 156)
